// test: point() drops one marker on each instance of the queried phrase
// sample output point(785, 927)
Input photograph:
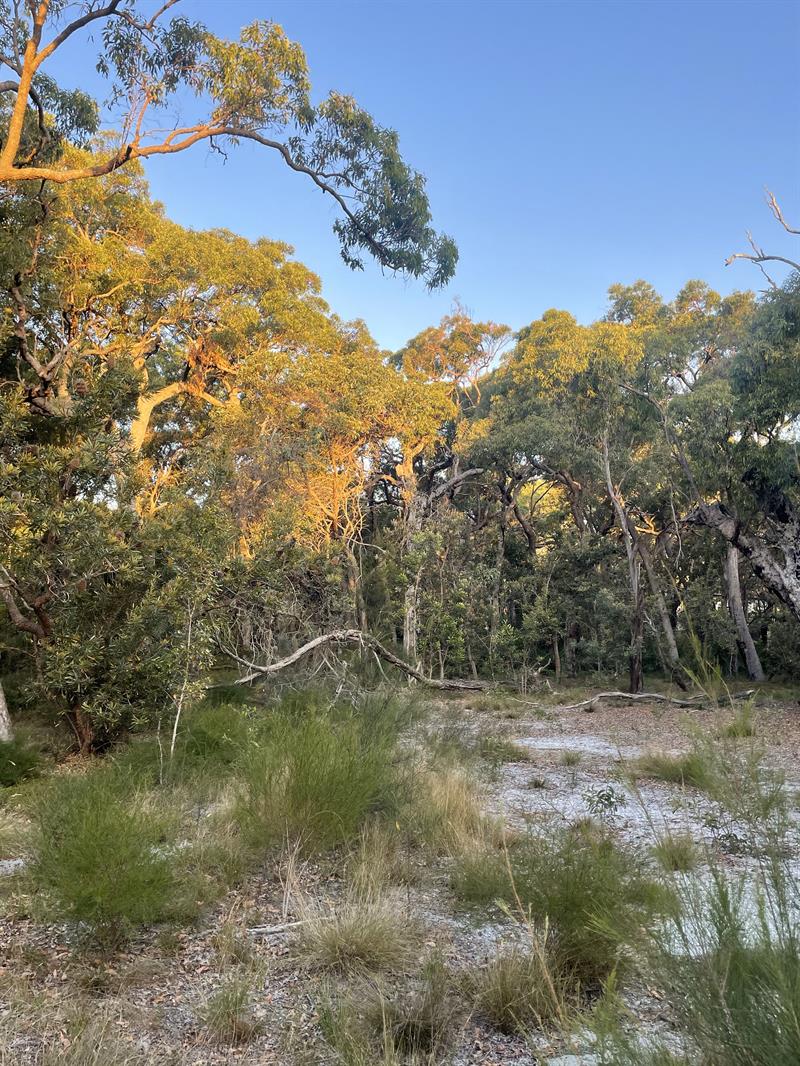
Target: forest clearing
point(401, 668)
point(407, 924)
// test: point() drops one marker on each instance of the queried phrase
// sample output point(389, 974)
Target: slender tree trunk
point(571, 638)
point(637, 627)
point(673, 656)
point(411, 621)
point(356, 590)
point(556, 660)
point(634, 577)
point(6, 729)
point(736, 607)
point(497, 579)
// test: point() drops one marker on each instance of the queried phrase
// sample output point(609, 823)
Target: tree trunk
point(736, 607)
point(571, 637)
point(634, 576)
point(637, 629)
point(83, 729)
point(497, 578)
point(6, 729)
point(673, 655)
point(355, 588)
point(780, 575)
point(556, 660)
point(410, 621)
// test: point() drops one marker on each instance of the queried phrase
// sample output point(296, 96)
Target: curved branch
point(350, 636)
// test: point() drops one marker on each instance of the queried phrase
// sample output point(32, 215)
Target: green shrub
point(317, 778)
point(596, 896)
point(742, 725)
point(361, 934)
point(417, 1020)
point(211, 739)
point(100, 856)
point(18, 761)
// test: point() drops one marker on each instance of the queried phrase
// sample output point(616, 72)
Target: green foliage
point(317, 774)
point(521, 988)
point(677, 852)
point(595, 895)
point(18, 761)
point(691, 768)
point(102, 856)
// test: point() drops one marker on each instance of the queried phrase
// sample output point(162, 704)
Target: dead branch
point(258, 672)
point(639, 697)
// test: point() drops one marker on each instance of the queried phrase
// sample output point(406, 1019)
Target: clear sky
point(566, 145)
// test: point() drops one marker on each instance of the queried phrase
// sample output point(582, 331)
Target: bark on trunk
point(781, 576)
point(6, 729)
point(736, 607)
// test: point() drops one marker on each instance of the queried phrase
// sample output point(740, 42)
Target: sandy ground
point(152, 994)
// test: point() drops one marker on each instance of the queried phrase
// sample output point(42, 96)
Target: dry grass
point(360, 935)
point(522, 987)
point(449, 812)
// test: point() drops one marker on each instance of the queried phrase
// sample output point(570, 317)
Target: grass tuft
point(228, 1014)
point(360, 935)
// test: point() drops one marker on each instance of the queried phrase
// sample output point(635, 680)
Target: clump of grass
point(18, 761)
point(212, 738)
point(521, 988)
point(419, 1020)
point(498, 749)
point(100, 856)
point(410, 1023)
point(447, 813)
point(570, 758)
point(232, 945)
point(317, 778)
point(595, 896)
point(677, 853)
point(359, 935)
point(691, 768)
point(228, 1014)
point(742, 725)
point(493, 703)
point(377, 860)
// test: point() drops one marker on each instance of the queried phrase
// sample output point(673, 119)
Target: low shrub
point(228, 1014)
point(100, 856)
point(677, 853)
point(317, 778)
point(359, 935)
point(595, 896)
point(691, 768)
point(417, 1020)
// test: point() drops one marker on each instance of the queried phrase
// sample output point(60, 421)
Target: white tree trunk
point(6, 729)
point(736, 607)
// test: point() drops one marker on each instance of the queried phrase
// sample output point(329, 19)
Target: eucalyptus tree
point(256, 89)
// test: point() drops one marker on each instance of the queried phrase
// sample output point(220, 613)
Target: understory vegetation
point(139, 844)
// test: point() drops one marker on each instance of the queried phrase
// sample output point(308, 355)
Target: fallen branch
point(258, 672)
point(693, 701)
point(270, 930)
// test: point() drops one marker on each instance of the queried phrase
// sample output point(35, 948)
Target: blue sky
point(566, 145)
